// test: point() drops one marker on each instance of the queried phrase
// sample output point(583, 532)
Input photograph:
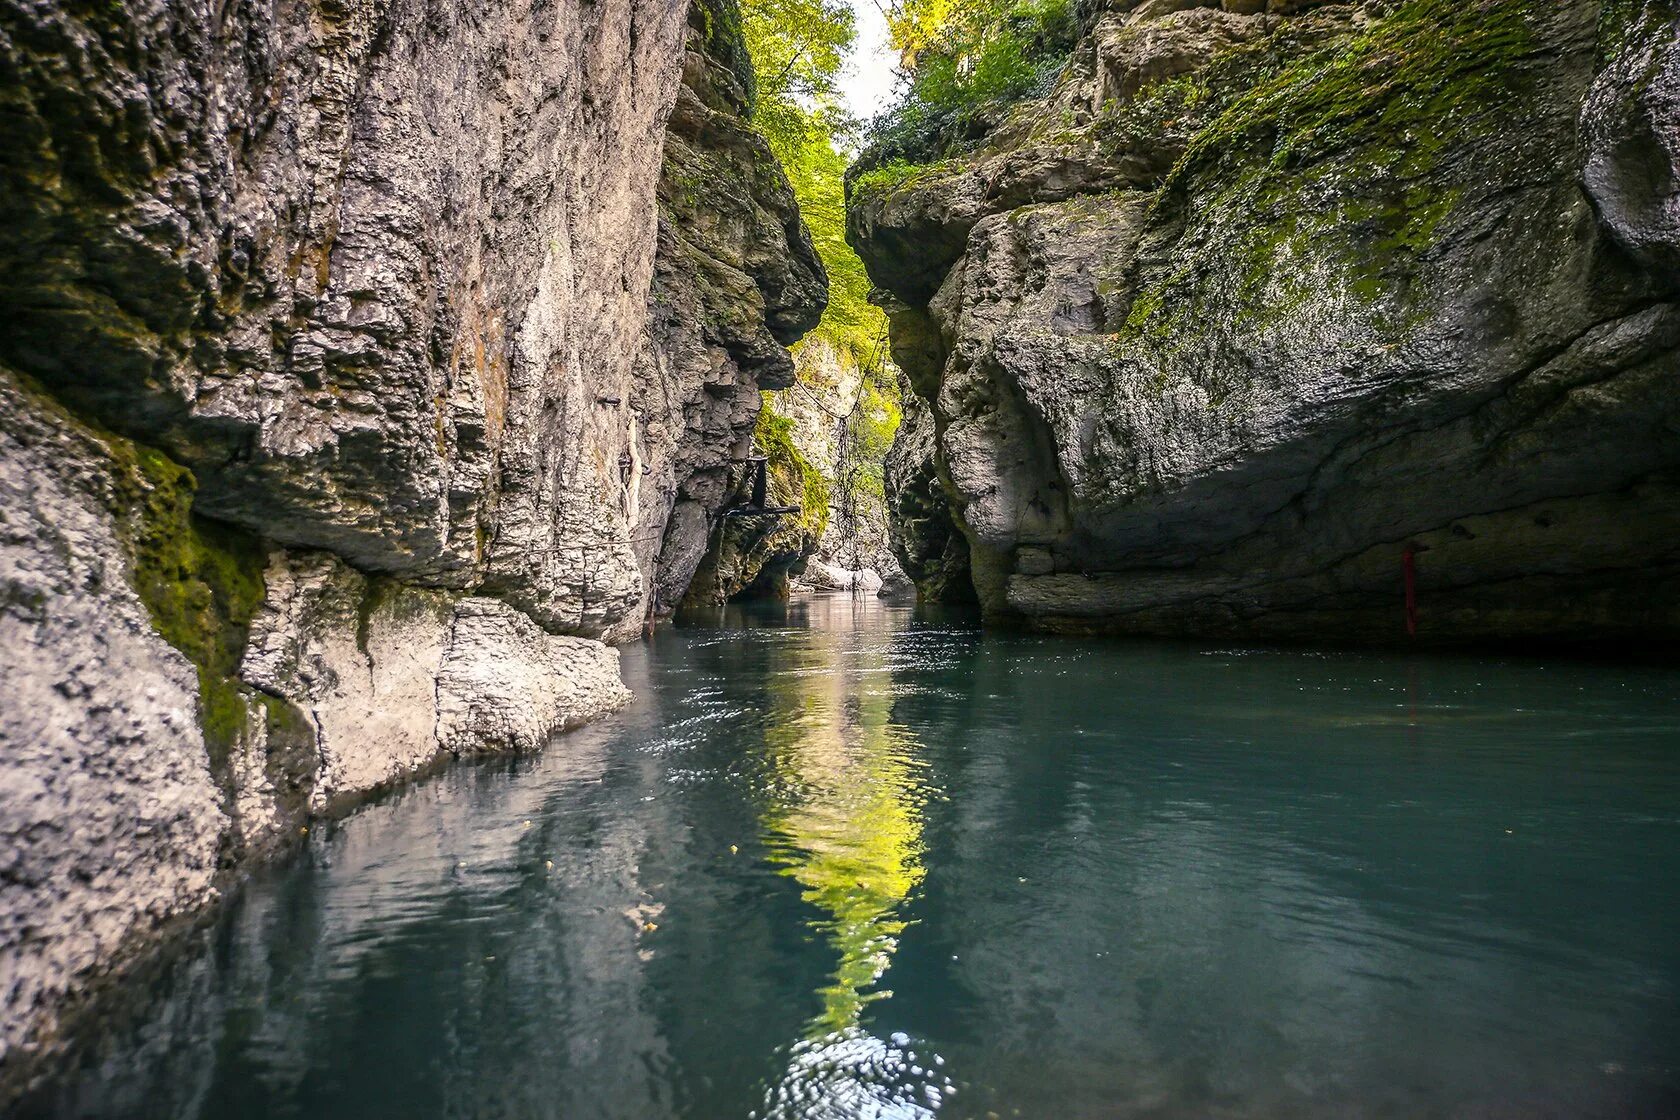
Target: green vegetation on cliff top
point(967, 61)
point(798, 49)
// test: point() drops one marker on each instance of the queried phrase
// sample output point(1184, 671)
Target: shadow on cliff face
point(736, 281)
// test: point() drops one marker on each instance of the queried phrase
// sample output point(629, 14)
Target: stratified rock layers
point(1262, 316)
point(343, 414)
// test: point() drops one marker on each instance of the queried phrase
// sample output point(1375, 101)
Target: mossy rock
point(201, 582)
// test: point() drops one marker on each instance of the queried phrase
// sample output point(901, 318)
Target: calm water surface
point(839, 861)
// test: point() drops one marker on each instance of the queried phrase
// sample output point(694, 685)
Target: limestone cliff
point(1270, 310)
point(844, 411)
point(350, 397)
point(929, 547)
point(736, 281)
point(823, 436)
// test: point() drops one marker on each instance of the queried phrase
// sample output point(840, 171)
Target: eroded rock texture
point(365, 267)
point(1257, 303)
point(110, 815)
point(925, 540)
point(832, 413)
point(337, 429)
point(736, 280)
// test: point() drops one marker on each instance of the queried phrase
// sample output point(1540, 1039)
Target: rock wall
point(360, 373)
point(1270, 310)
point(112, 819)
point(821, 407)
point(925, 540)
point(737, 280)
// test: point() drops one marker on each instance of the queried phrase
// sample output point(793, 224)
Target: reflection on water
point(840, 861)
point(844, 821)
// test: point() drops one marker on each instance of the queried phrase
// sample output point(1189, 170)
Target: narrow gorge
point(382, 377)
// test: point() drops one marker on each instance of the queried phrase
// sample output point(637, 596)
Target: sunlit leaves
point(962, 57)
point(798, 50)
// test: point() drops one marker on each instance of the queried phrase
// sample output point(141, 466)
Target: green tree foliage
point(851, 323)
point(798, 50)
point(967, 60)
point(866, 434)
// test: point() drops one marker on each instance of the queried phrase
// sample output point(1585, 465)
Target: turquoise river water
point(842, 860)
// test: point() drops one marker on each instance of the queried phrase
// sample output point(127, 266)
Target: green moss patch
point(792, 478)
point(1621, 21)
point(895, 176)
point(719, 24)
point(201, 582)
point(1404, 90)
point(1340, 157)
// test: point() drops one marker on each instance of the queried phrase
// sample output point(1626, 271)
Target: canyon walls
point(736, 281)
point(1272, 316)
point(366, 363)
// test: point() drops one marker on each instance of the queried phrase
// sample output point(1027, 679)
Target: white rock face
point(110, 821)
point(382, 277)
point(394, 677)
point(506, 685)
point(362, 666)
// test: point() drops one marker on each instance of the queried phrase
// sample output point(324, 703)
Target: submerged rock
point(1260, 316)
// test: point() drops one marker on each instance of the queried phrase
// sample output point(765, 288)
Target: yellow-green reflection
point(846, 820)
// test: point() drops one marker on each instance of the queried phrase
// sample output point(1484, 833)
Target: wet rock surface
point(1262, 315)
